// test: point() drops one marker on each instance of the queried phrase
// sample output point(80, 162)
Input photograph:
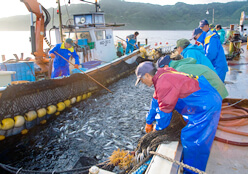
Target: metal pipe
point(32, 33)
point(213, 16)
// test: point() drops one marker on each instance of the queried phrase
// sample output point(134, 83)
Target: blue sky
point(15, 7)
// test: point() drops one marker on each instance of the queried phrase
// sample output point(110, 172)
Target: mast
point(96, 4)
point(60, 21)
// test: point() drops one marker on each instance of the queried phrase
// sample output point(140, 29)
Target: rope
point(178, 163)
point(233, 103)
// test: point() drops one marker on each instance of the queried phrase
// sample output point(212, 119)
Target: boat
point(28, 102)
point(161, 151)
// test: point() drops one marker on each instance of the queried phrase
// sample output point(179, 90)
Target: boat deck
point(237, 76)
point(225, 158)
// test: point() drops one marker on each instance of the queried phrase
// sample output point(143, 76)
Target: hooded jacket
point(222, 35)
point(198, 53)
point(170, 85)
point(189, 66)
point(214, 51)
point(66, 53)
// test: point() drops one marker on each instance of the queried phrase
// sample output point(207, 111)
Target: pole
point(60, 21)
point(213, 17)
point(96, 4)
point(84, 72)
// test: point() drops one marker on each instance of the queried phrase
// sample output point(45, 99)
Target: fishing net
point(151, 141)
point(20, 98)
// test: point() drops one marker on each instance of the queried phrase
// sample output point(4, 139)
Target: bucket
point(91, 64)
point(78, 71)
point(5, 77)
point(91, 45)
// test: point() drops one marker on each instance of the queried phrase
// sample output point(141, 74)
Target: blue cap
point(195, 32)
point(70, 41)
point(162, 61)
point(203, 22)
point(142, 69)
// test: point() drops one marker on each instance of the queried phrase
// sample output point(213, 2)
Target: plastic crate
point(24, 70)
point(91, 45)
point(78, 71)
point(82, 42)
point(91, 64)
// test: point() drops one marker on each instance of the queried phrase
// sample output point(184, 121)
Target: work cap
point(211, 25)
point(203, 22)
point(70, 41)
point(183, 43)
point(162, 61)
point(142, 69)
point(195, 32)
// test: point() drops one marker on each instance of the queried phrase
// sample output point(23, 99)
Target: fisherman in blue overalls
point(213, 48)
point(61, 66)
point(131, 42)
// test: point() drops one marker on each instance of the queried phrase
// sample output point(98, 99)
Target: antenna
point(96, 4)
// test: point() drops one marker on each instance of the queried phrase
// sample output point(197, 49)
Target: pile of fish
point(93, 128)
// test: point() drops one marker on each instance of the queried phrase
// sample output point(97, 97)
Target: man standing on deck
point(131, 42)
point(186, 49)
point(221, 32)
point(213, 48)
point(61, 66)
point(194, 98)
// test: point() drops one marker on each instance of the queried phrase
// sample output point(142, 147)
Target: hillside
point(142, 16)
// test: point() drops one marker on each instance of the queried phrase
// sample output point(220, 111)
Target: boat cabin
point(94, 38)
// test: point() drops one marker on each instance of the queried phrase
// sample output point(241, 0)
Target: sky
point(16, 7)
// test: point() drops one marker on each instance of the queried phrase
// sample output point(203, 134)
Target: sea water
point(17, 42)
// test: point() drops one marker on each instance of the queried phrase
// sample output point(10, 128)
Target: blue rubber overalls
point(201, 115)
point(215, 52)
point(61, 66)
point(130, 44)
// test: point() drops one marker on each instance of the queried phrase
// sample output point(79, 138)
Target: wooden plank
point(159, 165)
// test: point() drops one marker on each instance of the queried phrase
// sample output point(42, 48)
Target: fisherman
point(189, 66)
point(211, 27)
point(61, 66)
point(131, 42)
point(194, 98)
point(221, 32)
point(213, 49)
point(186, 49)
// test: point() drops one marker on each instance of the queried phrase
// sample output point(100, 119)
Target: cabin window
point(100, 34)
point(84, 35)
point(99, 19)
point(80, 35)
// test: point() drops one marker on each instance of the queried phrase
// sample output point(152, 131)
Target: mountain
point(143, 16)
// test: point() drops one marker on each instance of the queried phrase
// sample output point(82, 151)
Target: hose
point(226, 122)
point(230, 142)
point(48, 19)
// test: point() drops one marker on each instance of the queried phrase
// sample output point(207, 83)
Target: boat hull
point(37, 102)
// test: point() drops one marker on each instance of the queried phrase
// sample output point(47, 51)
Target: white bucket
point(5, 77)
